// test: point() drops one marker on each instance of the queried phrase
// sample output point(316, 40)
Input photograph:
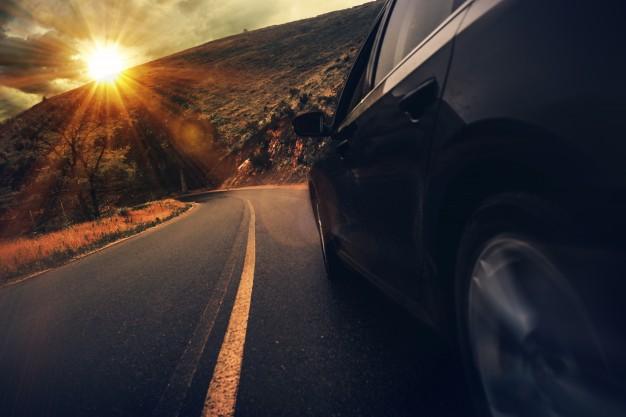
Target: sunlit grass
point(26, 255)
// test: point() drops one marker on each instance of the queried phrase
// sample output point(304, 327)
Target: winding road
point(223, 311)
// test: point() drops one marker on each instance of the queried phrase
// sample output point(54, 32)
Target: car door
point(332, 175)
point(389, 139)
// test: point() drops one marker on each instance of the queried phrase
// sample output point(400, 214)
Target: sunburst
point(105, 63)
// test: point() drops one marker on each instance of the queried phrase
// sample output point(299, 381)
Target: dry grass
point(26, 255)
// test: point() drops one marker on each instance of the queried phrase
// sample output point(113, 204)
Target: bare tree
point(85, 164)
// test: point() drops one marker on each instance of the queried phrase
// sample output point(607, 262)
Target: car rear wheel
point(529, 346)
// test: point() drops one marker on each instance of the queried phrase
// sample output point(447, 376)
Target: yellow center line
point(222, 394)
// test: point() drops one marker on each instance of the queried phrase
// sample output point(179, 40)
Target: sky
point(45, 44)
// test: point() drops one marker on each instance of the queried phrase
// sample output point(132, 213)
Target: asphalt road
point(138, 329)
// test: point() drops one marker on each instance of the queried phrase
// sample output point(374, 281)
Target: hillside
point(214, 115)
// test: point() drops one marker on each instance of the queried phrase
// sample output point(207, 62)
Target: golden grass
point(29, 254)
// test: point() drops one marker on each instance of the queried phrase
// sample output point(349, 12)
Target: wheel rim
point(532, 345)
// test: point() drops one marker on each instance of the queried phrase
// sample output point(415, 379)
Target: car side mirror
point(310, 125)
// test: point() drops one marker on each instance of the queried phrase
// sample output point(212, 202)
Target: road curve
point(139, 329)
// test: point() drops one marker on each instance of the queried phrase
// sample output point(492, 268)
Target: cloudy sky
point(44, 43)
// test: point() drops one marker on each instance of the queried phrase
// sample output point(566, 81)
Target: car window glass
point(359, 92)
point(410, 23)
point(365, 79)
point(357, 88)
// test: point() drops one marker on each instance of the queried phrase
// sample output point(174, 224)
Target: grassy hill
point(214, 115)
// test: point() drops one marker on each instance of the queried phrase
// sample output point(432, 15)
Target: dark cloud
point(4, 19)
point(10, 10)
point(6, 7)
point(46, 50)
point(32, 64)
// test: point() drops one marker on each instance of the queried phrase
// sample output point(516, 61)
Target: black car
point(476, 174)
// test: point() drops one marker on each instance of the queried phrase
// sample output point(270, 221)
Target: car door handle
point(416, 102)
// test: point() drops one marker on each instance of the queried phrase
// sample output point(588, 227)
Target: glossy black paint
point(505, 96)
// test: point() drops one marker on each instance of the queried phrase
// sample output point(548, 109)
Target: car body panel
point(532, 99)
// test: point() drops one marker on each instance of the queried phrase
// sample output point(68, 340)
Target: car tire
point(525, 337)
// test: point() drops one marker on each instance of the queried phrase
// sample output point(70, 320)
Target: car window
point(360, 91)
point(359, 82)
point(410, 23)
point(357, 86)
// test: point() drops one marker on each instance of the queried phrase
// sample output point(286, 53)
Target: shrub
point(29, 254)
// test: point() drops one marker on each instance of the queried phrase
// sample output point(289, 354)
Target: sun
point(105, 63)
